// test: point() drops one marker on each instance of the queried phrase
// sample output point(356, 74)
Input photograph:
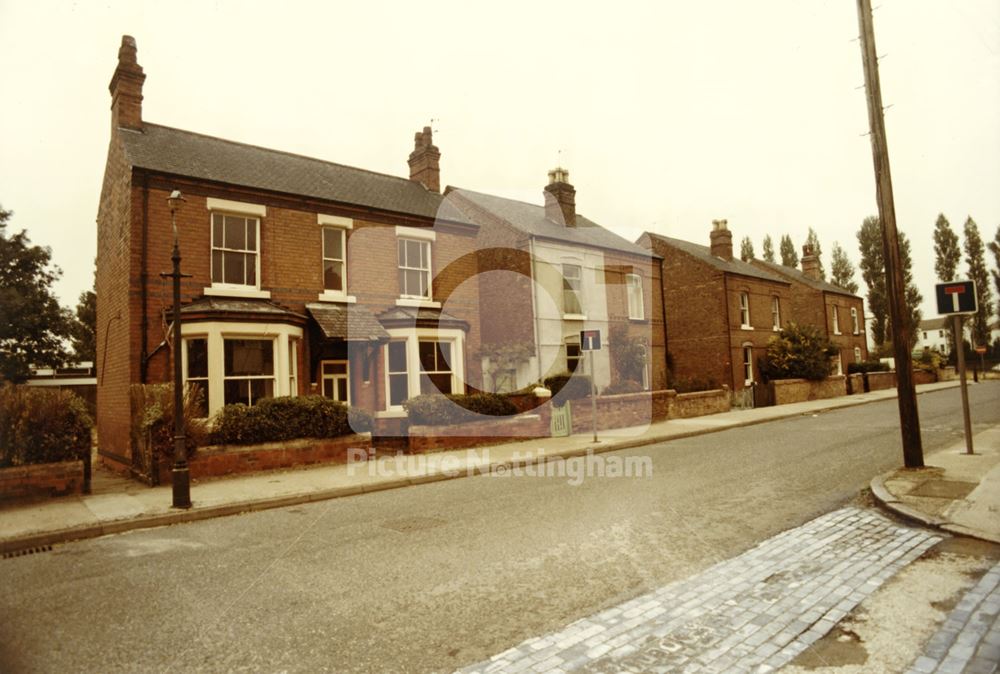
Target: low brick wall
point(947, 374)
point(700, 403)
point(478, 433)
point(623, 410)
point(42, 480)
point(855, 383)
point(799, 390)
point(219, 460)
point(878, 381)
point(923, 377)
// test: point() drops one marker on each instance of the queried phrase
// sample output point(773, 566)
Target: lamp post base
point(181, 480)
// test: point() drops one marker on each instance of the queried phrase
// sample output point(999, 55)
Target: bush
point(153, 418)
point(799, 352)
point(42, 426)
point(626, 386)
point(867, 366)
point(287, 418)
point(438, 410)
point(572, 386)
point(693, 384)
point(928, 361)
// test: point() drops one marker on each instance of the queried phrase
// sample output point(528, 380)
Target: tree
point(873, 272)
point(947, 253)
point(746, 249)
point(789, 257)
point(83, 328)
point(976, 260)
point(842, 271)
point(799, 351)
point(813, 240)
point(768, 249)
point(995, 249)
point(32, 324)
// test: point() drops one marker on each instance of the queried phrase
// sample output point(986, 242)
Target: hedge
point(572, 386)
point(439, 410)
point(277, 419)
point(40, 425)
point(867, 366)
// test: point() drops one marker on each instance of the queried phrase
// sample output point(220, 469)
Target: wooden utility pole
point(909, 421)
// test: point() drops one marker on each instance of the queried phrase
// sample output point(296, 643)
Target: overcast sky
point(667, 115)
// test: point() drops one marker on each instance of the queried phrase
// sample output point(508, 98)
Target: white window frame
point(238, 209)
point(343, 224)
point(578, 358)
point(293, 366)
point(568, 286)
point(406, 240)
point(745, 311)
point(857, 354)
point(334, 378)
point(748, 372)
point(636, 299)
point(451, 367)
point(412, 337)
point(836, 320)
point(185, 363)
point(838, 364)
point(645, 367)
point(775, 313)
point(855, 323)
point(263, 377)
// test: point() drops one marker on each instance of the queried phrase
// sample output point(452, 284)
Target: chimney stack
point(425, 161)
point(810, 263)
point(126, 88)
point(560, 198)
point(722, 240)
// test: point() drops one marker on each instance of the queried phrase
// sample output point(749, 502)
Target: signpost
point(590, 340)
point(954, 299)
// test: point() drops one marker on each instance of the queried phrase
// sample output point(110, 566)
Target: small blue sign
point(956, 297)
point(590, 340)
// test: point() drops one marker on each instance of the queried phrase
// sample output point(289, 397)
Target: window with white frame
point(414, 268)
point(334, 267)
point(399, 377)
point(572, 289)
point(836, 321)
point(855, 324)
point(857, 354)
point(573, 356)
point(636, 310)
point(776, 313)
point(196, 349)
point(645, 367)
point(436, 375)
point(235, 259)
point(293, 367)
point(838, 364)
point(747, 365)
point(334, 381)
point(745, 310)
point(248, 374)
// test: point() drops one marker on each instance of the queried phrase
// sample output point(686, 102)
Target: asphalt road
point(444, 574)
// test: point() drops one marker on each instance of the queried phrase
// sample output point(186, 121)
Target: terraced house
point(306, 276)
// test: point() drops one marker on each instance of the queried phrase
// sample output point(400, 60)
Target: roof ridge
point(283, 152)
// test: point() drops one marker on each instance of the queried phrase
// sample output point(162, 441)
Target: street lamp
point(180, 475)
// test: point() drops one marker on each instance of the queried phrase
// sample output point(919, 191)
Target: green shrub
point(867, 366)
point(571, 386)
point(439, 410)
point(152, 408)
point(40, 425)
point(287, 418)
point(626, 386)
point(799, 352)
point(928, 361)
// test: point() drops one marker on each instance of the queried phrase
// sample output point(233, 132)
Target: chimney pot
point(721, 240)
point(425, 160)
point(560, 198)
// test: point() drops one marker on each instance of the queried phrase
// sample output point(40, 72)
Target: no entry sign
point(956, 297)
point(590, 340)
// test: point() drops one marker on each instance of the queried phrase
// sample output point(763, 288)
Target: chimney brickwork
point(425, 161)
point(126, 88)
point(560, 198)
point(721, 240)
point(810, 263)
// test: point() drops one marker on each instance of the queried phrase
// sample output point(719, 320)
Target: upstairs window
point(414, 268)
point(334, 270)
point(836, 321)
point(776, 313)
point(855, 325)
point(745, 310)
point(636, 310)
point(572, 287)
point(234, 250)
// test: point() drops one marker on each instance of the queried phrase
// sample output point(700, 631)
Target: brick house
point(839, 313)
point(306, 276)
point(720, 311)
point(546, 273)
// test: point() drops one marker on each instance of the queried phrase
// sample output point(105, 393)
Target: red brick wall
point(478, 433)
point(621, 411)
point(41, 480)
point(847, 340)
point(799, 390)
point(761, 294)
point(700, 403)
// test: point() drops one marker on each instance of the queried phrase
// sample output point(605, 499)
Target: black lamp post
point(180, 475)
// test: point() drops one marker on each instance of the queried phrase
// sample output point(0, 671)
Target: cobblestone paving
point(752, 613)
point(969, 640)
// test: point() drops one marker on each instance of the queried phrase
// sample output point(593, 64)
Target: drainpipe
point(729, 330)
point(663, 305)
point(144, 327)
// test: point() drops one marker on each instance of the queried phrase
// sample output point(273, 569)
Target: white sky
point(666, 114)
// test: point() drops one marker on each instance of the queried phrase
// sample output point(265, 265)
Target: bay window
point(196, 370)
point(399, 387)
point(248, 367)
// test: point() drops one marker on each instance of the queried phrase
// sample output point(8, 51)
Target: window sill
point(337, 297)
point(837, 332)
point(391, 414)
point(254, 293)
point(633, 319)
point(746, 327)
point(574, 317)
point(416, 302)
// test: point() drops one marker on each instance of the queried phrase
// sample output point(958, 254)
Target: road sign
point(980, 350)
point(956, 297)
point(590, 340)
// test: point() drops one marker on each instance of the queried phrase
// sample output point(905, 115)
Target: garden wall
point(799, 390)
point(700, 403)
point(219, 460)
point(41, 480)
point(478, 433)
point(855, 383)
point(946, 373)
point(923, 377)
point(622, 411)
point(878, 381)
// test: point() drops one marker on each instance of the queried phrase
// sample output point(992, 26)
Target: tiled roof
point(232, 305)
point(801, 277)
point(168, 150)
point(420, 316)
point(704, 253)
point(935, 323)
point(351, 323)
point(530, 219)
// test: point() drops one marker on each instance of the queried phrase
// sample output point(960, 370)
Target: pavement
point(121, 505)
